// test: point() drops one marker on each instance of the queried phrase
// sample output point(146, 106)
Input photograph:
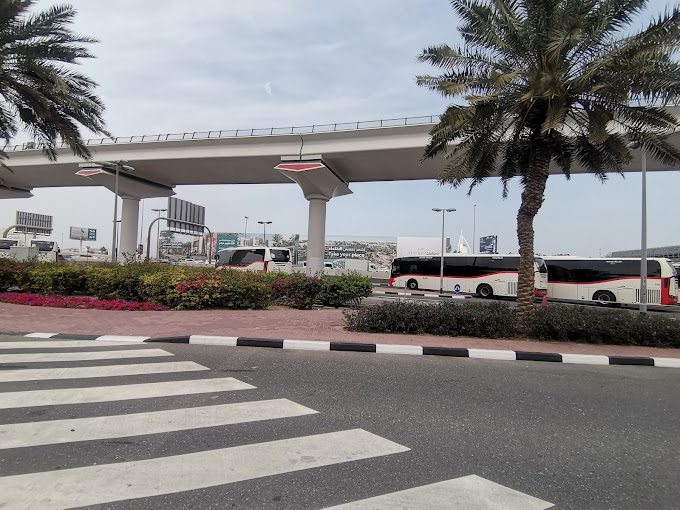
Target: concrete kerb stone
point(413, 350)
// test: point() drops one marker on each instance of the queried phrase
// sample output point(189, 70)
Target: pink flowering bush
point(297, 290)
point(59, 301)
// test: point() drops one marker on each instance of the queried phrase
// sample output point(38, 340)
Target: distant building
point(665, 252)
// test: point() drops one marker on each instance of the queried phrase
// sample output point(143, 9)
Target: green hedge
point(216, 289)
point(182, 287)
point(601, 326)
point(490, 320)
point(496, 320)
point(346, 289)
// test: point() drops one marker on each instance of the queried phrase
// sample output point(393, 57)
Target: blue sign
point(457, 288)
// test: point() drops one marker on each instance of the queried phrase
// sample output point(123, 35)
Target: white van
point(260, 259)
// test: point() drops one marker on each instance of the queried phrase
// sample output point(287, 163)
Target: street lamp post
point(158, 233)
point(441, 263)
point(643, 259)
point(264, 232)
point(245, 233)
point(474, 227)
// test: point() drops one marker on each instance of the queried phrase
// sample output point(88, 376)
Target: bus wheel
point(604, 297)
point(412, 285)
point(485, 291)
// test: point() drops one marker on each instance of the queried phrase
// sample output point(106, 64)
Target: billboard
point(83, 234)
point(488, 244)
point(421, 246)
point(226, 241)
point(184, 216)
point(32, 223)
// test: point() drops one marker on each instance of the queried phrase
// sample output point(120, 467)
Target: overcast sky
point(165, 67)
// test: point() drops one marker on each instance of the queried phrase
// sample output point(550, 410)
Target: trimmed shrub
point(297, 289)
point(602, 326)
point(46, 278)
point(11, 273)
point(181, 289)
point(347, 289)
point(490, 320)
point(120, 282)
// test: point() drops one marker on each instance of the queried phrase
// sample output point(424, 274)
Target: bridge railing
point(233, 133)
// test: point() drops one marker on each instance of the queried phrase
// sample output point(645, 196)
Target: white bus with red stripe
point(258, 259)
point(486, 275)
point(611, 280)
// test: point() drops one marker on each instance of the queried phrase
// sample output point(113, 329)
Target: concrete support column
point(316, 234)
point(128, 228)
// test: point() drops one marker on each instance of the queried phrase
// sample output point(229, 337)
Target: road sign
point(83, 234)
point(457, 288)
point(32, 223)
point(185, 217)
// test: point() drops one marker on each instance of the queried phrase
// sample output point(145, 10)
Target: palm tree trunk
point(532, 199)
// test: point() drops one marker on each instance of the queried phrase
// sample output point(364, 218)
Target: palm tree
point(40, 91)
point(551, 82)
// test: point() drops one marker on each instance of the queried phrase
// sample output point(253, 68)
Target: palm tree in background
point(551, 82)
point(40, 91)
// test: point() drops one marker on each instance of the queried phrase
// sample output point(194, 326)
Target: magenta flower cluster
point(196, 282)
point(59, 301)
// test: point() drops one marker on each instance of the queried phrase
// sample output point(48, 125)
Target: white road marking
point(307, 345)
point(82, 356)
point(213, 340)
point(121, 338)
point(19, 435)
point(12, 400)
point(56, 344)
point(40, 335)
point(94, 485)
point(585, 359)
point(466, 493)
point(667, 362)
point(43, 374)
point(492, 354)
point(398, 349)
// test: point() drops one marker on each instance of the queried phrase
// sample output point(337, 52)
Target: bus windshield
point(541, 265)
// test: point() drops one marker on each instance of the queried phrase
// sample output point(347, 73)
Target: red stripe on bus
point(606, 281)
point(459, 277)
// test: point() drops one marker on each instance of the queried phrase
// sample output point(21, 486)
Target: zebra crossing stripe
point(107, 483)
point(13, 400)
point(57, 344)
point(20, 435)
point(82, 356)
point(467, 493)
point(44, 374)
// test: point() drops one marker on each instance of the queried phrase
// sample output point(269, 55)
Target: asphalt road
point(576, 436)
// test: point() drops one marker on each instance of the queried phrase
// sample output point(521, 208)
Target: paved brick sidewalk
point(279, 323)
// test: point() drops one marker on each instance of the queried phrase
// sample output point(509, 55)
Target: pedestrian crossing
point(104, 483)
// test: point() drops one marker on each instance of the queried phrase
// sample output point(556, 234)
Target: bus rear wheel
point(484, 291)
point(412, 285)
point(604, 297)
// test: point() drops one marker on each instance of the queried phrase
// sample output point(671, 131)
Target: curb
point(417, 350)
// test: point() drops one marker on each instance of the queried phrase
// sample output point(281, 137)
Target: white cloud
point(268, 88)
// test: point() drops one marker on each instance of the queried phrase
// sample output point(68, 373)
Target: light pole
point(264, 233)
point(245, 233)
point(643, 259)
point(441, 263)
point(158, 233)
point(474, 227)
